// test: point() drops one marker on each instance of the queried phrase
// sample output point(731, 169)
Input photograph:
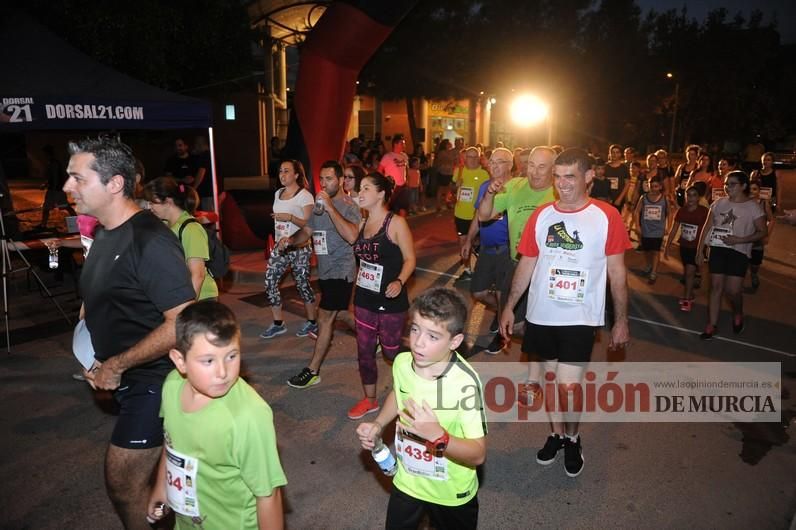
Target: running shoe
point(363, 407)
point(464, 276)
point(530, 392)
point(653, 277)
point(755, 281)
point(573, 457)
point(307, 328)
point(305, 378)
point(548, 454)
point(496, 346)
point(737, 324)
point(273, 331)
point(686, 304)
point(708, 333)
point(494, 325)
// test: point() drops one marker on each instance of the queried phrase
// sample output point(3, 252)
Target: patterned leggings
point(299, 262)
point(387, 328)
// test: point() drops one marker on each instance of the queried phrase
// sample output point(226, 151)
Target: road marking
point(436, 272)
point(661, 324)
point(715, 337)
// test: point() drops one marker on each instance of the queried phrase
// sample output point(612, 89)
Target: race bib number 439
point(416, 459)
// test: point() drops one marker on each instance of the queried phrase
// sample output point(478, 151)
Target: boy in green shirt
point(220, 467)
point(440, 435)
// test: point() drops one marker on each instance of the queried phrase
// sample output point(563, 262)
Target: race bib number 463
point(369, 276)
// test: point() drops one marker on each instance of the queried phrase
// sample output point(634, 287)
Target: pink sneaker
point(686, 305)
point(363, 407)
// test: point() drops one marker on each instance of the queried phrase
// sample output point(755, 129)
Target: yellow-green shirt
point(457, 399)
point(519, 201)
point(195, 245)
point(468, 181)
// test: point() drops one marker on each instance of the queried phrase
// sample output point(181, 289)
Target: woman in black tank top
point(684, 172)
point(387, 259)
point(768, 178)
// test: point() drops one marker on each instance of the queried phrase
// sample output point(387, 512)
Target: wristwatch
point(440, 444)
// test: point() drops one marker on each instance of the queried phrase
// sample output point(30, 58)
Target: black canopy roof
point(46, 83)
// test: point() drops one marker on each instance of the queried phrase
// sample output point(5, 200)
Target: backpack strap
point(183, 225)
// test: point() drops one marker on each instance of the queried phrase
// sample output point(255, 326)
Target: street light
point(670, 75)
point(528, 110)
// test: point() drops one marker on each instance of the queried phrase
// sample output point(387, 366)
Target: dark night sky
point(784, 9)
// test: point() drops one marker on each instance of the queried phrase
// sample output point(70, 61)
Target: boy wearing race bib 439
point(440, 435)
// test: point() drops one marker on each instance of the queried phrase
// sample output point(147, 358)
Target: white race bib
point(466, 194)
point(567, 285)
point(716, 236)
point(688, 231)
point(416, 460)
point(765, 193)
point(319, 242)
point(614, 183)
point(369, 276)
point(181, 471)
point(282, 229)
point(653, 212)
point(717, 193)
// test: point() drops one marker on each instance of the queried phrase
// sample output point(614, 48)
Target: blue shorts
point(139, 425)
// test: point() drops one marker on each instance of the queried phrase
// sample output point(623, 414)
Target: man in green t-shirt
point(519, 198)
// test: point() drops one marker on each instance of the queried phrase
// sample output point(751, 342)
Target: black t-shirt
point(182, 168)
point(601, 189)
point(617, 177)
point(132, 274)
point(205, 189)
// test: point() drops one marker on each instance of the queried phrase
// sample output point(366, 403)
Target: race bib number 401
point(567, 285)
point(181, 471)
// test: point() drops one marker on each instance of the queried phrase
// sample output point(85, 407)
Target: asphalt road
point(659, 475)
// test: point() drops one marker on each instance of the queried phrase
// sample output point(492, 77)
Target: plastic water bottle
point(320, 207)
point(53, 256)
point(384, 458)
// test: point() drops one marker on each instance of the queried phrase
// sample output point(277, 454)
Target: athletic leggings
point(387, 328)
point(299, 262)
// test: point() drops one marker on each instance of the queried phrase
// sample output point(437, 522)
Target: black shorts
point(462, 225)
point(757, 256)
point(490, 269)
point(335, 294)
point(728, 262)
point(400, 199)
point(139, 425)
point(405, 511)
point(444, 180)
point(567, 344)
point(688, 255)
point(651, 243)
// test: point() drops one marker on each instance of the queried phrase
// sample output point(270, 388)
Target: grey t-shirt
point(335, 256)
point(736, 218)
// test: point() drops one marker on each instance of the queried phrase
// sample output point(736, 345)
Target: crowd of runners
point(542, 235)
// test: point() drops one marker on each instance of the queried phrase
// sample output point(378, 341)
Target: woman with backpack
point(175, 203)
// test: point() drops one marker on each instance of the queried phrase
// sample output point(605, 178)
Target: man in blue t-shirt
point(494, 261)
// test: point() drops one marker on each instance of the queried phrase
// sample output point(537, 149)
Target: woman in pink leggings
point(387, 259)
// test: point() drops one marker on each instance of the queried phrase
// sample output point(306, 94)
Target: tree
point(175, 45)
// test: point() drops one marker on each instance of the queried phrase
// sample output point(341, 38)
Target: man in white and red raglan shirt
point(569, 249)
